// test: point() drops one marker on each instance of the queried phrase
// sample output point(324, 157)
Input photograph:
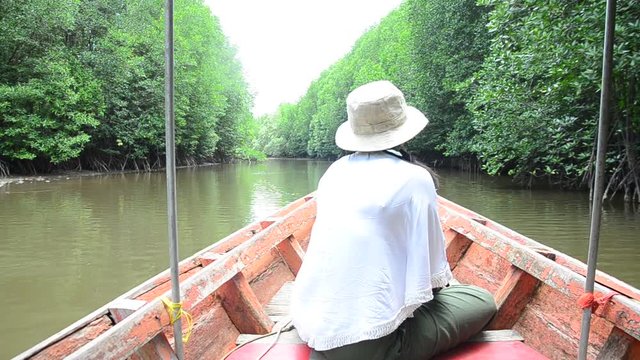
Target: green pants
point(454, 315)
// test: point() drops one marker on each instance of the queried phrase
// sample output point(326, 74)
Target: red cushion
point(499, 350)
point(278, 352)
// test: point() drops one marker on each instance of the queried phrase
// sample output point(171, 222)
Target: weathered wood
point(143, 325)
point(292, 254)
point(158, 347)
point(207, 258)
point(243, 307)
point(562, 259)
point(266, 275)
point(497, 335)
point(162, 288)
point(74, 341)
point(224, 245)
point(619, 345)
point(278, 307)
point(621, 311)
point(550, 323)
point(265, 223)
point(512, 296)
point(457, 247)
point(601, 278)
point(121, 308)
point(449, 235)
point(256, 245)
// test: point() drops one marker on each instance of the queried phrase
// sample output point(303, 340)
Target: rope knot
point(175, 312)
point(588, 300)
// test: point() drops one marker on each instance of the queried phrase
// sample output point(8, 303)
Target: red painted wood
point(158, 347)
point(213, 331)
point(601, 278)
point(551, 323)
point(621, 311)
point(562, 259)
point(511, 298)
point(499, 350)
point(267, 282)
point(619, 345)
point(208, 257)
point(303, 233)
point(292, 254)
point(487, 254)
point(481, 267)
point(75, 341)
point(243, 307)
point(163, 287)
point(278, 352)
point(457, 246)
point(142, 326)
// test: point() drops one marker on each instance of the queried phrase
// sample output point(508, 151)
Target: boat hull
point(226, 287)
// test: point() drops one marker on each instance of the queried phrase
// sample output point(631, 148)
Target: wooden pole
point(598, 187)
point(171, 171)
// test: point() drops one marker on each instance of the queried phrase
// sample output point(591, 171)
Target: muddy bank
point(48, 178)
point(65, 175)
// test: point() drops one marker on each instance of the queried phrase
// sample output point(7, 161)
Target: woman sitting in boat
point(374, 283)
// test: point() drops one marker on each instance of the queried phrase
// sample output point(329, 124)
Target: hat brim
point(347, 140)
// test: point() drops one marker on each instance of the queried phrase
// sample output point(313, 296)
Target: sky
point(284, 45)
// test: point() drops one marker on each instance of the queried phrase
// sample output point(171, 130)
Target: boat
point(237, 288)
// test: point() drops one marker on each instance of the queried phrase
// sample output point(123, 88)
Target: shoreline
point(70, 174)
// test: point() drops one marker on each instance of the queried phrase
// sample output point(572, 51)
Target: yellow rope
point(175, 312)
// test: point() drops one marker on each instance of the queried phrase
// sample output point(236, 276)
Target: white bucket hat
point(378, 118)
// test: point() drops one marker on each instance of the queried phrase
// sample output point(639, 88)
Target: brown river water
point(70, 245)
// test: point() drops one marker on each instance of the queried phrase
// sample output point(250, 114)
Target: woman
point(374, 282)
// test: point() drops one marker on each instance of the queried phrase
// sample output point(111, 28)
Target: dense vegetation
point(511, 84)
point(82, 85)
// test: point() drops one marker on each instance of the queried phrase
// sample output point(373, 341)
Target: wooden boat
point(227, 288)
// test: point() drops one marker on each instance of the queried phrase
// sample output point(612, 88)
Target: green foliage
point(430, 49)
point(536, 107)
point(449, 43)
point(49, 116)
point(85, 79)
point(308, 127)
point(514, 83)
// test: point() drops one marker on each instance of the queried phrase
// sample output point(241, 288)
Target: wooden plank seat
point(491, 344)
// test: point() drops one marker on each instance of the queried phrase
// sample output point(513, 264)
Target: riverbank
point(46, 178)
point(70, 174)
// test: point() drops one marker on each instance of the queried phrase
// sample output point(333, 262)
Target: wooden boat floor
point(505, 342)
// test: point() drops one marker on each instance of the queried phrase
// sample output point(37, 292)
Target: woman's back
point(374, 256)
point(371, 284)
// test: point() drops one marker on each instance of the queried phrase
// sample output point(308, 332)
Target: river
point(70, 245)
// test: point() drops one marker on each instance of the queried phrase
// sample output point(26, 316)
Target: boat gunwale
point(622, 312)
point(568, 261)
point(221, 247)
point(547, 271)
point(194, 289)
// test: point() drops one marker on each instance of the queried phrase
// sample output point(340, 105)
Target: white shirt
point(376, 251)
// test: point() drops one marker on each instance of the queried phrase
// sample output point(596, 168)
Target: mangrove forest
point(511, 87)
